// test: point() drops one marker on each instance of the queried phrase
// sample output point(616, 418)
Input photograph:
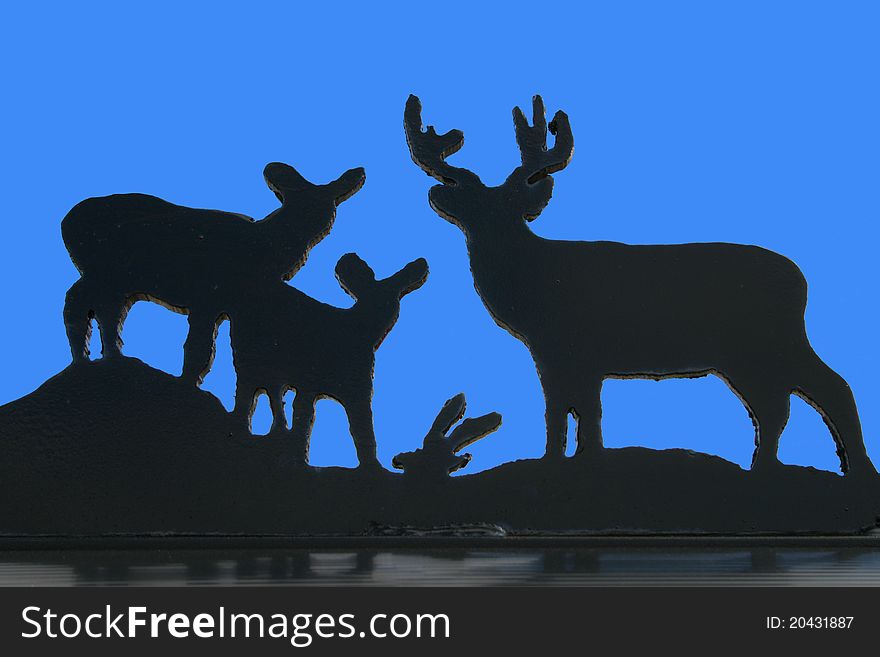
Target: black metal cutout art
point(112, 449)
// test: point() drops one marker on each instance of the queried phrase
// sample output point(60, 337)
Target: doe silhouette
point(130, 247)
point(287, 340)
point(593, 310)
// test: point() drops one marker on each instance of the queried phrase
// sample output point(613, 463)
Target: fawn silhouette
point(592, 310)
point(287, 340)
point(130, 247)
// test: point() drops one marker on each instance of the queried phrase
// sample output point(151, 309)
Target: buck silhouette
point(593, 310)
point(130, 247)
point(287, 340)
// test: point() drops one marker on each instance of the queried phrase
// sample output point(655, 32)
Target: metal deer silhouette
point(593, 310)
point(287, 340)
point(198, 262)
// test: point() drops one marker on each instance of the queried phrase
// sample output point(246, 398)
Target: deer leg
point(77, 320)
point(556, 417)
point(768, 403)
point(109, 316)
point(360, 422)
point(276, 403)
point(588, 412)
point(198, 350)
point(828, 392)
point(244, 401)
point(301, 428)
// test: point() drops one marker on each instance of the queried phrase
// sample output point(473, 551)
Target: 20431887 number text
point(809, 622)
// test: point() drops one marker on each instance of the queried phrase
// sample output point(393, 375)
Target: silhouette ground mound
point(114, 447)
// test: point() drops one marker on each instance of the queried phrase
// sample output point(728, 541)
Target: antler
point(430, 150)
point(537, 161)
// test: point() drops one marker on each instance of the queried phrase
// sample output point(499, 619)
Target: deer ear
point(283, 179)
point(354, 275)
point(411, 277)
point(347, 185)
point(536, 196)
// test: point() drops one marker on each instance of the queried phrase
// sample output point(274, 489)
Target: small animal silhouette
point(130, 247)
point(438, 457)
point(287, 340)
point(592, 310)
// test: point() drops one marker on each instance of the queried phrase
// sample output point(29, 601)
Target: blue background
point(742, 122)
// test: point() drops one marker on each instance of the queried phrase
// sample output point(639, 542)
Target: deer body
point(592, 310)
point(577, 302)
point(291, 341)
point(199, 262)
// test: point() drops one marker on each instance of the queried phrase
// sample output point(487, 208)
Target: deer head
point(358, 280)
point(289, 186)
point(305, 217)
point(380, 299)
point(463, 199)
